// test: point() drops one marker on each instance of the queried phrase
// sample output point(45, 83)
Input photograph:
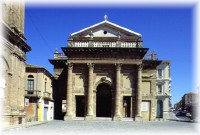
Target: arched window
point(30, 83)
point(45, 85)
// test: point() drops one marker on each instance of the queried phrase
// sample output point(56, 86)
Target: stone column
point(90, 93)
point(139, 94)
point(117, 111)
point(68, 115)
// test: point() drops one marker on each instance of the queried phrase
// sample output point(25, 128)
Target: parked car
point(180, 112)
point(171, 109)
point(191, 111)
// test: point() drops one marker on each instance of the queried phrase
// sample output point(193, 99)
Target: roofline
point(166, 61)
point(106, 21)
point(38, 67)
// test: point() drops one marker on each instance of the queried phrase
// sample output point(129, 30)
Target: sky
point(167, 30)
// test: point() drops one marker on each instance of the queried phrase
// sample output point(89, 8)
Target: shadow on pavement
point(189, 121)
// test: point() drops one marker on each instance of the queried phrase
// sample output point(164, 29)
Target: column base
point(138, 118)
point(68, 117)
point(89, 117)
point(117, 118)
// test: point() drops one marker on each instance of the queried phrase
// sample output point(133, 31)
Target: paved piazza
point(109, 127)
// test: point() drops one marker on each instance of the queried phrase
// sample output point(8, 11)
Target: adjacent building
point(163, 85)
point(103, 73)
point(13, 58)
point(38, 94)
point(188, 98)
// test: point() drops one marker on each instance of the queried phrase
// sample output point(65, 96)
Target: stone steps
point(103, 119)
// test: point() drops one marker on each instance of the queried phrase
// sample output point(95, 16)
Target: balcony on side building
point(47, 95)
point(33, 93)
point(163, 94)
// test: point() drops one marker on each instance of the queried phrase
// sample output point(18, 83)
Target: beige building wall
point(13, 55)
point(149, 94)
point(44, 97)
point(13, 14)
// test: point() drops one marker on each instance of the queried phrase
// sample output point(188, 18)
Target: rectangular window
point(45, 86)
point(30, 85)
point(160, 73)
point(159, 89)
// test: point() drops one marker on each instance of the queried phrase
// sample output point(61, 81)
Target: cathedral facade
point(103, 73)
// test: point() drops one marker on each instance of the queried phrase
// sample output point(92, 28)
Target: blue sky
point(168, 30)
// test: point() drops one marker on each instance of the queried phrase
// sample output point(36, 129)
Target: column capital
point(69, 64)
point(118, 66)
point(90, 65)
point(140, 67)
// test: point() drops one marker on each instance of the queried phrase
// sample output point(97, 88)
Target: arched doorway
point(159, 109)
point(103, 100)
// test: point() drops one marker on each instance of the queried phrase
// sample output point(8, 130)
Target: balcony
point(161, 94)
point(33, 93)
point(47, 95)
point(121, 44)
point(163, 78)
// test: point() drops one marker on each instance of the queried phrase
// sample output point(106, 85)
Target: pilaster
point(117, 112)
point(139, 93)
point(90, 113)
point(68, 115)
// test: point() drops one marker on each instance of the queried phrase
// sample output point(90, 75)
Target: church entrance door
point(80, 106)
point(103, 100)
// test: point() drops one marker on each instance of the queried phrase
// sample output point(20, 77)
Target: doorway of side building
point(80, 106)
point(103, 100)
point(159, 109)
point(126, 106)
point(45, 113)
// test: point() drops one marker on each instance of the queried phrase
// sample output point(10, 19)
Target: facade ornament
point(91, 35)
point(105, 17)
point(118, 35)
point(70, 36)
point(56, 51)
point(103, 79)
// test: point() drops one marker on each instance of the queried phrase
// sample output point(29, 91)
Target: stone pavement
point(76, 127)
point(25, 125)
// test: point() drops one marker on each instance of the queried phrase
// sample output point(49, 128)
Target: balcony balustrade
point(47, 95)
point(33, 93)
point(121, 44)
point(37, 93)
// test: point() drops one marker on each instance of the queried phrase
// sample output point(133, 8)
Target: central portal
point(104, 100)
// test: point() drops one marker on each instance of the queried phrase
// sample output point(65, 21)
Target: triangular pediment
point(105, 29)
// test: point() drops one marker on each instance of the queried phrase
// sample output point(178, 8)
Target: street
point(173, 126)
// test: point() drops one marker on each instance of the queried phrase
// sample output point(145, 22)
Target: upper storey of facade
point(105, 34)
point(104, 43)
point(13, 25)
point(13, 14)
